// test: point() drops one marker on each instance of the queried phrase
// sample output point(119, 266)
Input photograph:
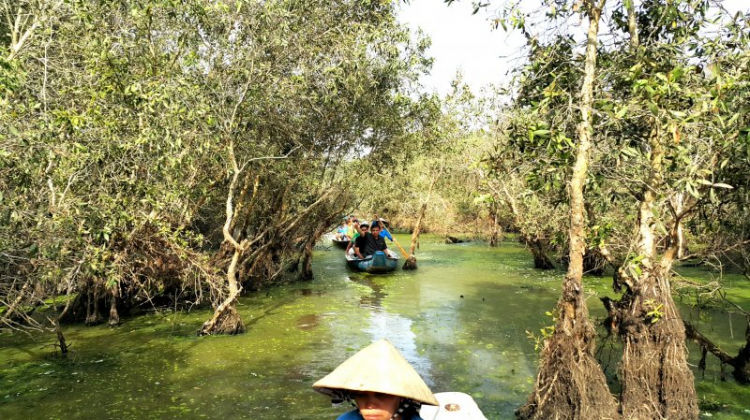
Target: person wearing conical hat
point(380, 383)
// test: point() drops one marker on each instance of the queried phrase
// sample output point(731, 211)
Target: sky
point(468, 43)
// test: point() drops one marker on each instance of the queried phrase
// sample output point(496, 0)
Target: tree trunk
point(307, 272)
point(593, 262)
point(656, 380)
point(226, 319)
point(411, 261)
point(538, 248)
point(93, 316)
point(114, 316)
point(494, 228)
point(570, 383)
point(632, 24)
point(742, 360)
point(678, 238)
point(60, 337)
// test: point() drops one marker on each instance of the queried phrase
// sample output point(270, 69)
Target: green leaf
point(691, 190)
point(678, 114)
point(722, 185)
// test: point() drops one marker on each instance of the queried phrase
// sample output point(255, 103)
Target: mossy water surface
point(462, 319)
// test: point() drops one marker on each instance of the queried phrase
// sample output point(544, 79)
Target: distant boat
point(376, 264)
point(340, 243)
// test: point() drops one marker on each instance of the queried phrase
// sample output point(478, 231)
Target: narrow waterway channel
point(461, 320)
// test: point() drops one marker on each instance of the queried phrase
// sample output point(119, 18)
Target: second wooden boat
point(340, 243)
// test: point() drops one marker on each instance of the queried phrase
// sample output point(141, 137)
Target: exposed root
point(410, 263)
point(656, 380)
point(570, 384)
point(226, 320)
point(740, 363)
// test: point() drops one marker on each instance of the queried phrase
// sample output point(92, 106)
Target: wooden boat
point(453, 406)
point(340, 243)
point(376, 264)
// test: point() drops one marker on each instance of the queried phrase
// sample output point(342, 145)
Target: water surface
point(462, 319)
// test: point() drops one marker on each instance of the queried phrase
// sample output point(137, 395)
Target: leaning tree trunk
point(538, 248)
point(740, 363)
point(226, 319)
point(570, 383)
point(411, 261)
point(656, 380)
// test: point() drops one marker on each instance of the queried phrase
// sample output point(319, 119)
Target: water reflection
point(377, 291)
point(393, 327)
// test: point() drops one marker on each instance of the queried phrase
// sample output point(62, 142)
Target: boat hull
point(377, 264)
point(339, 243)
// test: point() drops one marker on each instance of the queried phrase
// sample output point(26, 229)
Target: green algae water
point(462, 319)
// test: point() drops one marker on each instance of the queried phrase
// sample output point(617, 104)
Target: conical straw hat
point(378, 367)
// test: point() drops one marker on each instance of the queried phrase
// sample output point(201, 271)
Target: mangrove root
point(226, 320)
point(570, 383)
point(410, 263)
point(740, 363)
point(453, 240)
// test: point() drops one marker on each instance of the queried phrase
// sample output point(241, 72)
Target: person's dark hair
point(363, 225)
point(376, 224)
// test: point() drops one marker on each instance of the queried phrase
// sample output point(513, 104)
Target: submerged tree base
point(225, 321)
point(656, 380)
point(410, 263)
point(570, 385)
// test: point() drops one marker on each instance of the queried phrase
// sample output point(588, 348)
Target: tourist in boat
point(384, 232)
point(341, 231)
point(380, 383)
point(359, 229)
point(350, 227)
point(370, 242)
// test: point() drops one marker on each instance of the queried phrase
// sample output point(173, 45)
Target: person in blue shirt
point(384, 233)
point(380, 383)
